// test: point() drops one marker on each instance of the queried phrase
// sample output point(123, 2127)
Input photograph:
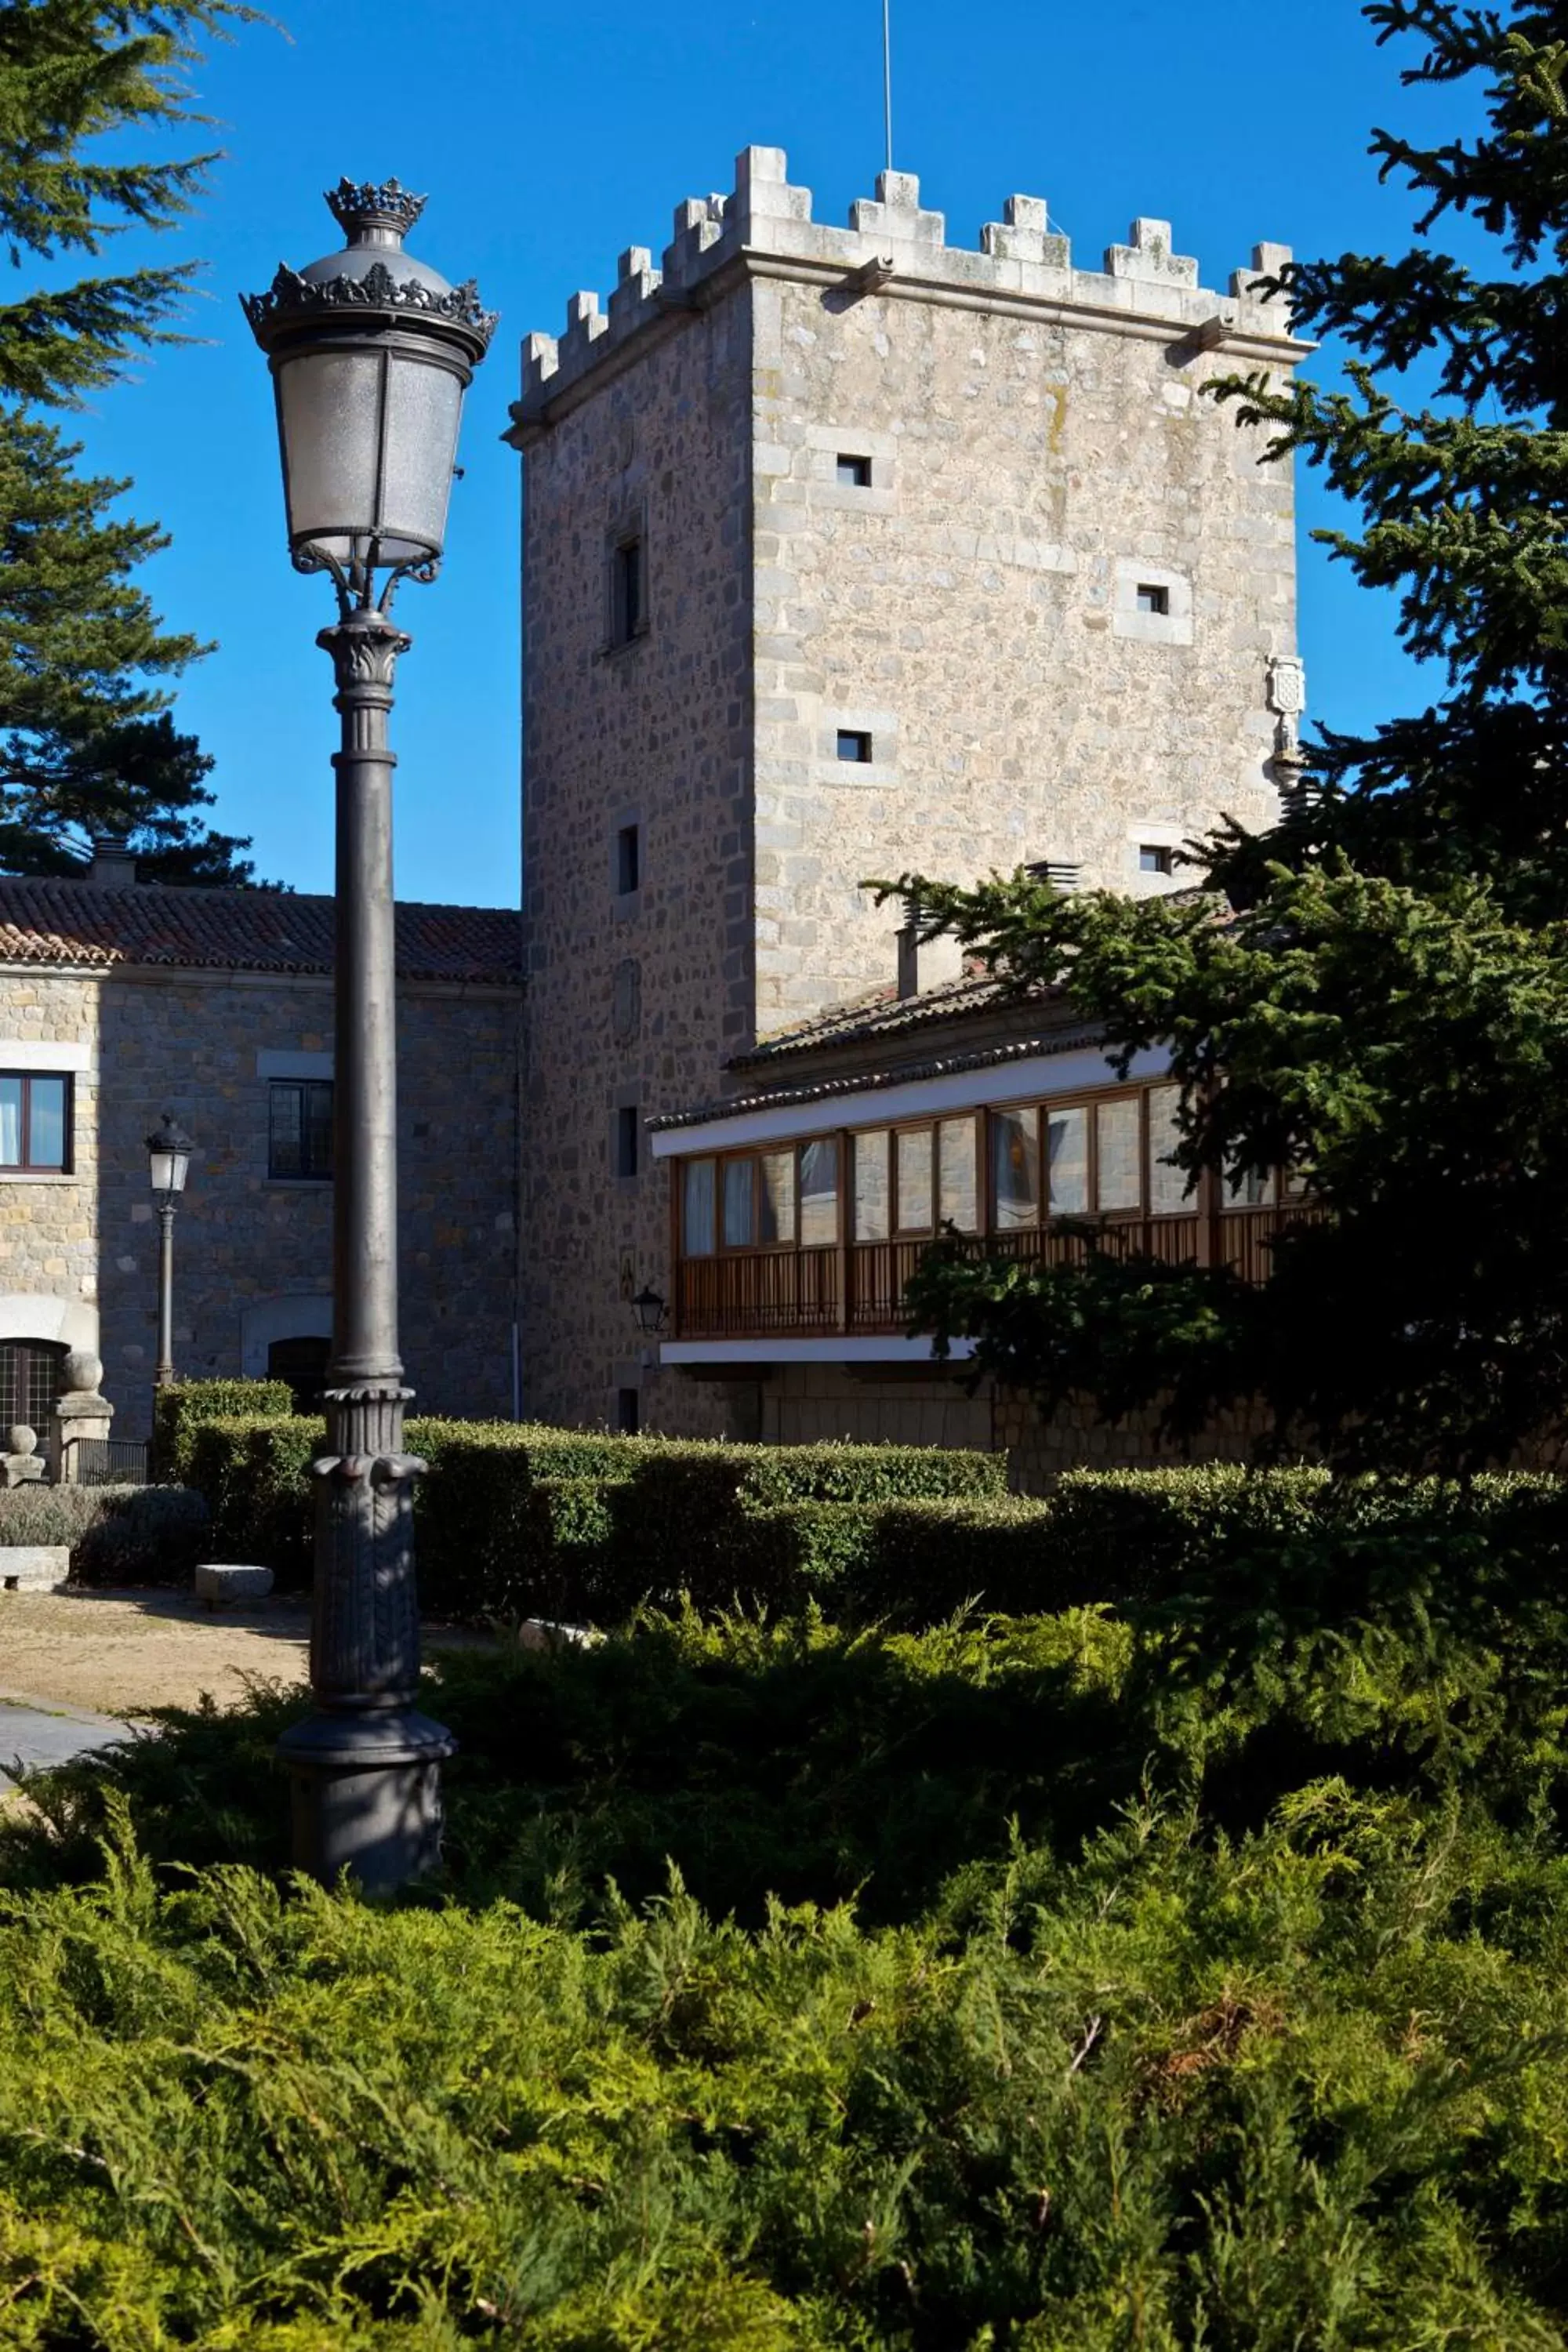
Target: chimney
point(926, 963)
point(112, 866)
point(1060, 873)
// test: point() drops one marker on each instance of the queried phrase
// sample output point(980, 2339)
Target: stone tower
point(847, 551)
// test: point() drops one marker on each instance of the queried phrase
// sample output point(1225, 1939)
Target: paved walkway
point(39, 1732)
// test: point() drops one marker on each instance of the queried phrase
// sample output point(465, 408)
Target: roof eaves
point(1021, 1049)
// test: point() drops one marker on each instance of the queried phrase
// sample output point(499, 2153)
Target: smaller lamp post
point(169, 1151)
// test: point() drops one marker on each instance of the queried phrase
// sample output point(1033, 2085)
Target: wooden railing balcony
point(858, 1288)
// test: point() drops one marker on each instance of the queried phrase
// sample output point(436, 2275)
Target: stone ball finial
point(20, 1439)
point(83, 1371)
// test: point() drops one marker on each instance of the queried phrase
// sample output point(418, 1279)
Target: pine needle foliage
point(1373, 989)
point(86, 740)
point(1261, 2046)
point(74, 72)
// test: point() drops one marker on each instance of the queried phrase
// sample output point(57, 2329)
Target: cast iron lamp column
point(169, 1151)
point(370, 354)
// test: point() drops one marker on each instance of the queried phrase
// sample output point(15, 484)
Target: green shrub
point(142, 1535)
point(1171, 2010)
point(514, 1520)
point(179, 1408)
point(115, 1535)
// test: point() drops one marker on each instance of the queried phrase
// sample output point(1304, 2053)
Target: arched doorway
point(303, 1362)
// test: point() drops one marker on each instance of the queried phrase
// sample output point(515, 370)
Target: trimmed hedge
point(179, 1409)
point(116, 1535)
point(514, 1520)
point(517, 1521)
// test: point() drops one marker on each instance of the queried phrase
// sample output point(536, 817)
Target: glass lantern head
point(650, 1309)
point(370, 352)
point(169, 1151)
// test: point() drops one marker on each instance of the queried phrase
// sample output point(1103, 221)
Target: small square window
point(855, 743)
point(628, 1413)
point(1151, 598)
point(854, 473)
point(627, 1128)
point(628, 590)
point(628, 859)
point(36, 1123)
point(1154, 857)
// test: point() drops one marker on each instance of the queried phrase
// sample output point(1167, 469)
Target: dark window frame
point(852, 471)
point(628, 860)
point(861, 737)
point(628, 1142)
point(1156, 857)
point(1089, 1101)
point(309, 1172)
point(1152, 597)
point(26, 1165)
point(31, 1379)
point(629, 587)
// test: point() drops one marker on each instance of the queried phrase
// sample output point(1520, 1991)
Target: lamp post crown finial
point(361, 208)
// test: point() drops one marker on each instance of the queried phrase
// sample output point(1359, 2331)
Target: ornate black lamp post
point(370, 354)
point(169, 1151)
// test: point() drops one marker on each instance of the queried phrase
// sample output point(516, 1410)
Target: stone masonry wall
point(634, 999)
point(252, 1255)
point(808, 1403)
point(49, 1224)
point(1075, 1438)
point(973, 610)
point(1038, 451)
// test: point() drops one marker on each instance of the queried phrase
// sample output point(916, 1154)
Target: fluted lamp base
point(366, 1792)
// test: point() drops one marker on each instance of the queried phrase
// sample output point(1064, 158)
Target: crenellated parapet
point(893, 243)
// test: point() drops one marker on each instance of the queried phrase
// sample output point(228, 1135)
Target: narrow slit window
point(628, 590)
point(855, 744)
point(627, 1140)
point(628, 860)
point(854, 473)
point(1154, 858)
point(1152, 597)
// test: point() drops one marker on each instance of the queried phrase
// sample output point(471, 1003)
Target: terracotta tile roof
point(1057, 1040)
point(868, 1018)
point(1045, 1023)
point(44, 922)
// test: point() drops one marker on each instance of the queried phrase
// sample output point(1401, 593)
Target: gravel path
point(112, 1653)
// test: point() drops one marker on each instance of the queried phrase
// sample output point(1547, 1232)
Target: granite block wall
point(253, 1253)
point(633, 998)
point(967, 509)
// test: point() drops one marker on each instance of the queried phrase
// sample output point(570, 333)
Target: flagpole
point(888, 79)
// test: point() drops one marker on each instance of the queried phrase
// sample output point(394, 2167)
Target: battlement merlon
point(894, 247)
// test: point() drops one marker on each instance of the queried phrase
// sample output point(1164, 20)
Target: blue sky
point(550, 139)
